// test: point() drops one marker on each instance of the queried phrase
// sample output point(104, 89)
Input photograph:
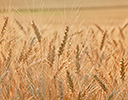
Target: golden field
point(68, 54)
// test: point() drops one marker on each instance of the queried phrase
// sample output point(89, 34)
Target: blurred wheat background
point(64, 50)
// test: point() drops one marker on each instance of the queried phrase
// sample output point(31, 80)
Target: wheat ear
point(22, 56)
point(101, 83)
point(70, 81)
point(125, 26)
point(3, 76)
point(77, 59)
point(36, 31)
point(8, 60)
point(61, 90)
point(102, 31)
point(51, 55)
point(121, 33)
point(122, 71)
point(61, 48)
point(20, 26)
point(103, 40)
point(4, 27)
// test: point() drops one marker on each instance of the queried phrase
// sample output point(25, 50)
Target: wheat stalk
point(26, 55)
point(51, 55)
point(3, 56)
point(122, 71)
point(69, 51)
point(61, 90)
point(20, 26)
point(22, 56)
point(121, 33)
point(31, 84)
point(4, 27)
point(102, 31)
point(112, 31)
point(77, 59)
point(79, 96)
point(101, 83)
point(3, 76)
point(124, 26)
point(103, 40)
point(90, 57)
point(36, 31)
point(61, 48)
point(40, 94)
point(110, 96)
point(59, 69)
point(115, 43)
point(70, 81)
point(8, 60)
point(1, 41)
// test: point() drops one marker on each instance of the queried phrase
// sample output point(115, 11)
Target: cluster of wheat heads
point(84, 65)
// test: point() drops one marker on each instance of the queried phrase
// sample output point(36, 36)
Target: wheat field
point(64, 55)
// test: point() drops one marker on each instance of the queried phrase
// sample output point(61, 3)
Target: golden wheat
point(4, 27)
point(61, 48)
point(84, 65)
point(36, 31)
